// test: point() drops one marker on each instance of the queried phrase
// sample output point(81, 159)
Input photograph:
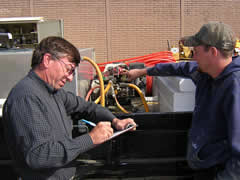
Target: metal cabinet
point(28, 31)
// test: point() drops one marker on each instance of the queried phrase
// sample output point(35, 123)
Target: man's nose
point(70, 78)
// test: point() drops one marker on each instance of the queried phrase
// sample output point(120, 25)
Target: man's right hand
point(134, 73)
point(101, 132)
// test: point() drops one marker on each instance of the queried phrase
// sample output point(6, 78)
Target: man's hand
point(101, 132)
point(134, 73)
point(121, 124)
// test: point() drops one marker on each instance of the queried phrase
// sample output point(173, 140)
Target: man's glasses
point(69, 69)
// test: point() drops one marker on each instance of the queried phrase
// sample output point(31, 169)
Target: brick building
point(120, 29)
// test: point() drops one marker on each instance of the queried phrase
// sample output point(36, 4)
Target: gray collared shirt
point(38, 129)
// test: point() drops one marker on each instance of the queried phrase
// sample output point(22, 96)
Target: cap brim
point(190, 41)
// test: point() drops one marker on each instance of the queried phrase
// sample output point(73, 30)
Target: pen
point(88, 122)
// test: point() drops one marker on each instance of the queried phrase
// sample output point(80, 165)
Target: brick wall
point(140, 27)
point(15, 8)
point(197, 13)
point(120, 29)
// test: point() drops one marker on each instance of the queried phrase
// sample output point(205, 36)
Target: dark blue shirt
point(214, 137)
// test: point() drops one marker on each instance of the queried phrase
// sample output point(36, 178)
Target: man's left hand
point(121, 124)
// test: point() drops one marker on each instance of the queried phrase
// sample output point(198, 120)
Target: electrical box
point(27, 32)
point(174, 94)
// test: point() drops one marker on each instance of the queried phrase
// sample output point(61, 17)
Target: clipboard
point(117, 133)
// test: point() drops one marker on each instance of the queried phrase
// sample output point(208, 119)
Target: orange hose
point(90, 92)
point(148, 60)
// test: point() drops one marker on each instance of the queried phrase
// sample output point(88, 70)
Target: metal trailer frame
point(156, 148)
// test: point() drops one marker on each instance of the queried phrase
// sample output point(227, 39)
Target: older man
point(37, 129)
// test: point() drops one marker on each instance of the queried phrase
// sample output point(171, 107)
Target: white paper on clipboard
point(117, 133)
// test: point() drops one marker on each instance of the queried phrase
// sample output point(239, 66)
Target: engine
point(121, 95)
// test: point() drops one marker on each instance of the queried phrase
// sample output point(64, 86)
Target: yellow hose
point(100, 79)
point(114, 94)
point(119, 106)
point(105, 91)
point(141, 95)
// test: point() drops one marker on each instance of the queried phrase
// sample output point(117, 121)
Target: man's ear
point(214, 51)
point(46, 60)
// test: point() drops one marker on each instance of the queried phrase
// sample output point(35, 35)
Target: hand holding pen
point(101, 132)
point(117, 123)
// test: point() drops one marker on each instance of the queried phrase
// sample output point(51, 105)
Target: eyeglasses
point(69, 69)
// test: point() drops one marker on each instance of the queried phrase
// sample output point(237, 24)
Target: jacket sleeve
point(182, 69)
point(232, 111)
point(78, 108)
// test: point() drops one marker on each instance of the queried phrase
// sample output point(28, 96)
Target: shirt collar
point(49, 88)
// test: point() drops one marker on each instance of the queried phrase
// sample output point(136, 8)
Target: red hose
point(90, 92)
point(149, 80)
point(148, 60)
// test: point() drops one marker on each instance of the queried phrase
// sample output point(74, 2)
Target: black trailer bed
point(157, 148)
